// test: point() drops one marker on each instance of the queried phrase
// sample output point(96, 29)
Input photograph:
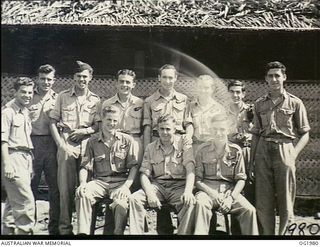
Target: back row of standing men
point(179, 148)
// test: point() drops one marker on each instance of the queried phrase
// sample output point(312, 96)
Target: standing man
point(45, 149)
point(113, 159)
point(16, 161)
point(240, 135)
point(279, 118)
point(131, 108)
point(167, 175)
point(166, 100)
point(73, 120)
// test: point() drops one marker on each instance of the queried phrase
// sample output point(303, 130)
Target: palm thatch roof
point(251, 14)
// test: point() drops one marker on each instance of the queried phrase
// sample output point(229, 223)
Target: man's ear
point(285, 76)
point(134, 84)
point(159, 77)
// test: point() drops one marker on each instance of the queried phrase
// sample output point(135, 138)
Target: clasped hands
point(223, 202)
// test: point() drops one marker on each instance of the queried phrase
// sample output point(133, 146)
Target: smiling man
point(167, 176)
point(73, 120)
point(131, 108)
point(16, 161)
point(45, 149)
point(279, 118)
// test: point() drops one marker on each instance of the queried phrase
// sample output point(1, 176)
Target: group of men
point(193, 155)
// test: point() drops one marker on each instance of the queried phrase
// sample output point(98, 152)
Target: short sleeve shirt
point(201, 116)
point(131, 114)
point(230, 167)
point(40, 108)
point(72, 114)
point(157, 165)
point(285, 119)
point(16, 126)
point(176, 105)
point(107, 161)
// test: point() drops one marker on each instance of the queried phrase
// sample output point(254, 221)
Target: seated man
point(220, 177)
point(109, 155)
point(167, 176)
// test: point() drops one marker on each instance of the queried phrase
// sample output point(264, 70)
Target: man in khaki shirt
point(16, 161)
point(220, 178)
point(45, 149)
point(131, 108)
point(167, 176)
point(166, 100)
point(113, 159)
point(279, 118)
point(73, 120)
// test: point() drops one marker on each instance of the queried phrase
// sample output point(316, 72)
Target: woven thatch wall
point(308, 166)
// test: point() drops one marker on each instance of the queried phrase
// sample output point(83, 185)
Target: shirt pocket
point(34, 112)
point(178, 108)
point(135, 119)
point(176, 168)
point(88, 113)
point(284, 117)
point(69, 113)
point(100, 164)
point(157, 110)
point(157, 167)
point(210, 168)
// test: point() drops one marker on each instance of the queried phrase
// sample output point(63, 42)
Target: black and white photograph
point(160, 119)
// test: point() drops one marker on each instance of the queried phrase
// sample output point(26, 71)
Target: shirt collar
point(116, 98)
point(73, 92)
point(50, 93)
point(284, 94)
point(100, 136)
point(174, 94)
point(16, 107)
point(175, 143)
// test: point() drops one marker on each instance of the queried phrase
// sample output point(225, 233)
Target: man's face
point(219, 132)
point(275, 79)
point(110, 121)
point(125, 84)
point(24, 95)
point(167, 79)
point(166, 130)
point(204, 88)
point(237, 94)
point(45, 81)
point(82, 79)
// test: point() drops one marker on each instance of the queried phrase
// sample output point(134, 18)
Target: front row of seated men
point(168, 174)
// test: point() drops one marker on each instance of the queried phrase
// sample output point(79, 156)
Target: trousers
point(167, 191)
point(97, 189)
point(19, 211)
point(45, 160)
point(275, 185)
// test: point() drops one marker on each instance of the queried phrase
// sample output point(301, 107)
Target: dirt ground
point(305, 210)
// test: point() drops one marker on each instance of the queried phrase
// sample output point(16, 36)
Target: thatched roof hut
point(221, 14)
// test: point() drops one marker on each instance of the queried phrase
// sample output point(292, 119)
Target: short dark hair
point(22, 81)
point(275, 65)
point(110, 109)
point(46, 69)
point(235, 83)
point(168, 66)
point(127, 72)
point(165, 118)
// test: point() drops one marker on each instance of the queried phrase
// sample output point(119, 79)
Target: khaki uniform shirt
point(157, 165)
point(107, 161)
point(285, 119)
point(16, 126)
point(175, 105)
point(241, 132)
point(71, 114)
point(40, 108)
point(230, 167)
point(201, 117)
point(131, 114)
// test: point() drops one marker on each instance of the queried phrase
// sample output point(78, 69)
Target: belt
point(270, 139)
point(21, 149)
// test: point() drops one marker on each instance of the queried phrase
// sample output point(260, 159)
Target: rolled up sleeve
point(87, 159)
point(146, 167)
point(239, 171)
point(6, 119)
point(55, 113)
point(147, 118)
point(301, 119)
